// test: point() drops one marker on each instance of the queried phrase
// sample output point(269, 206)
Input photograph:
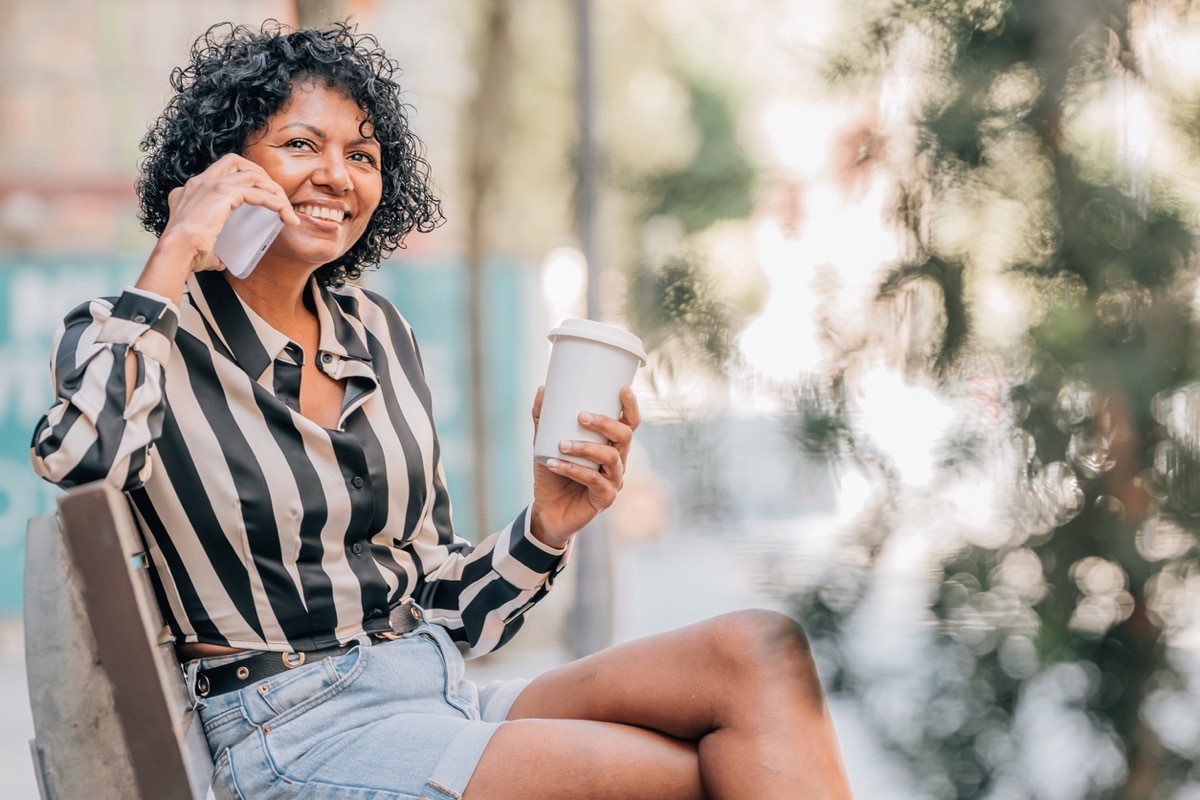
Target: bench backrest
point(110, 711)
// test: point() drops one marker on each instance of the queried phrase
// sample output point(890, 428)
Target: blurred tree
point(718, 180)
point(672, 300)
point(486, 139)
point(315, 13)
point(1074, 608)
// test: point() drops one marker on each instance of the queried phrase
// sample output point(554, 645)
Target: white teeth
point(321, 212)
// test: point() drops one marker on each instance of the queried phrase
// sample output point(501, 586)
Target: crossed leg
point(726, 708)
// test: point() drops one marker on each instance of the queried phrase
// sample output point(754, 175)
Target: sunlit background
point(918, 281)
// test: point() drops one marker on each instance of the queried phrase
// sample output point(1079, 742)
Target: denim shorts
point(391, 720)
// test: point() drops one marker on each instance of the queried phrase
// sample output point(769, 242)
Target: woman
point(275, 436)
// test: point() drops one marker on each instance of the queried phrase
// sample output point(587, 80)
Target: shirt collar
point(339, 325)
point(254, 344)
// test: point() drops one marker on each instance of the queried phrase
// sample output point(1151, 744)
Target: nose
point(332, 174)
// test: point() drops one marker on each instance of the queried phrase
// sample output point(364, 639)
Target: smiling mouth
point(321, 212)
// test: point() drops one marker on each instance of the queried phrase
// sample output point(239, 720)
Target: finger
point(615, 431)
point(211, 263)
point(232, 168)
point(230, 161)
point(209, 196)
point(266, 197)
point(256, 185)
point(630, 411)
point(537, 405)
point(537, 408)
point(602, 490)
point(610, 459)
point(273, 200)
point(233, 162)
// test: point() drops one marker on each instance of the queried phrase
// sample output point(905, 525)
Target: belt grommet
point(287, 661)
point(243, 673)
point(202, 685)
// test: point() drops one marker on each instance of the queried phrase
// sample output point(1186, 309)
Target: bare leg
point(742, 687)
point(568, 759)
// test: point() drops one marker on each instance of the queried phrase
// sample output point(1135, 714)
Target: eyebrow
point(315, 131)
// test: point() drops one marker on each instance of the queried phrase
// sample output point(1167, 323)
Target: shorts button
point(140, 318)
point(357, 483)
point(327, 357)
point(357, 548)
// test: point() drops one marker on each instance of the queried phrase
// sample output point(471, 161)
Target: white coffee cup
point(589, 363)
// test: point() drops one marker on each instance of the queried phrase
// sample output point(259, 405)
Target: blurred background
point(919, 283)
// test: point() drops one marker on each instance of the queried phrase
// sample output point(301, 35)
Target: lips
point(321, 212)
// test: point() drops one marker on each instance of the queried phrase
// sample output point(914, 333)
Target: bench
point(110, 711)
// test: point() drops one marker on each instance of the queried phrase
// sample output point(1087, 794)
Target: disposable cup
point(589, 363)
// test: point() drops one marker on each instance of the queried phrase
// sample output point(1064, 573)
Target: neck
point(281, 303)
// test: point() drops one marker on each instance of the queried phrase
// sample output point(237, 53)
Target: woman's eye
point(299, 144)
point(365, 158)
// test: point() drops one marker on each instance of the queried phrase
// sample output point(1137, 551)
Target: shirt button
point(357, 548)
point(140, 318)
point(357, 482)
point(327, 357)
point(375, 613)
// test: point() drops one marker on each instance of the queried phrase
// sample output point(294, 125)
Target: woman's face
point(314, 148)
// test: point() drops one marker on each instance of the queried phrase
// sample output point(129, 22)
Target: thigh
point(564, 759)
point(680, 682)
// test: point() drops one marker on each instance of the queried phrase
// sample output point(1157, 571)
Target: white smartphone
point(245, 237)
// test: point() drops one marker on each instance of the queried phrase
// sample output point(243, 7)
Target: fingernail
point(553, 463)
point(566, 446)
point(585, 417)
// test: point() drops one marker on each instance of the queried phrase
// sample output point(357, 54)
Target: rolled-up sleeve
point(106, 415)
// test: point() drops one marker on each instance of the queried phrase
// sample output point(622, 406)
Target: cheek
point(365, 220)
point(373, 206)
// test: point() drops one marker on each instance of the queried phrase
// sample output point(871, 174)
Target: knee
point(767, 646)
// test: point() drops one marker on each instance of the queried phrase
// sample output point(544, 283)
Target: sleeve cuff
point(145, 320)
point(525, 562)
point(531, 551)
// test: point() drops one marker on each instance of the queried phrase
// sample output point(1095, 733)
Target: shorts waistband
point(405, 617)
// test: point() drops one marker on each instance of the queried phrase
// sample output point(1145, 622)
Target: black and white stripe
point(267, 530)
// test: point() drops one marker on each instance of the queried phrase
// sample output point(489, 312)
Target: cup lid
point(600, 332)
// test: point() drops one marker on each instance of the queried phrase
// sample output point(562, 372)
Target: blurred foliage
point(672, 299)
point(1074, 609)
point(823, 430)
point(680, 315)
point(717, 182)
point(948, 277)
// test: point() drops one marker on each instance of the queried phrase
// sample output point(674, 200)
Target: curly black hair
point(238, 77)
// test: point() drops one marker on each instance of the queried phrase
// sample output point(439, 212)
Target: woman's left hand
point(567, 496)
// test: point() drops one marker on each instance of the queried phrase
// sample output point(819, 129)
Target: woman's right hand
point(198, 211)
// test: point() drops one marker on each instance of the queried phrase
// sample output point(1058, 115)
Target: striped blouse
point(268, 531)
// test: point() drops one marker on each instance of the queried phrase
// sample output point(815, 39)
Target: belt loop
point(191, 671)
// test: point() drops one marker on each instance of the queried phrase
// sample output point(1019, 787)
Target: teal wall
point(37, 291)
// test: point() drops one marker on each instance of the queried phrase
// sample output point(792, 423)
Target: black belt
point(405, 618)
